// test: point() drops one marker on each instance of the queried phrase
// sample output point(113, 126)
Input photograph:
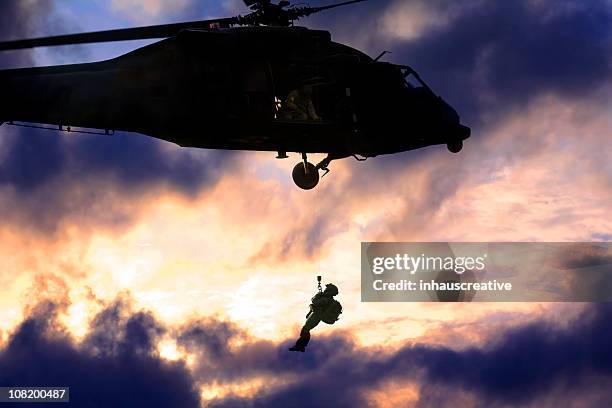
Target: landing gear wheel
point(455, 146)
point(306, 175)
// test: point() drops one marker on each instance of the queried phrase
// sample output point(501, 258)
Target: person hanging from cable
point(323, 308)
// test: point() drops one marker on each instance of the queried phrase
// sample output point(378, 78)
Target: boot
point(300, 345)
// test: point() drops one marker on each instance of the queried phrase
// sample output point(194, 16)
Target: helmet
point(331, 289)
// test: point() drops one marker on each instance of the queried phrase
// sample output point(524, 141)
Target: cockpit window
point(400, 75)
point(411, 81)
point(411, 78)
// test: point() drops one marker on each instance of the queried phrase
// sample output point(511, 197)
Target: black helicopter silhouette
point(252, 82)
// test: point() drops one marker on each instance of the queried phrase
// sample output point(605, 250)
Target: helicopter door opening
point(305, 99)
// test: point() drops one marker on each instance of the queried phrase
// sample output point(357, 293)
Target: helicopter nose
point(463, 132)
point(452, 119)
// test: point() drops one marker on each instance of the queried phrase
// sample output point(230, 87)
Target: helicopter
point(255, 82)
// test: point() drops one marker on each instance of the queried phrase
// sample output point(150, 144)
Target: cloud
point(46, 178)
point(117, 364)
point(527, 361)
point(163, 11)
point(523, 366)
point(147, 8)
point(506, 54)
point(19, 19)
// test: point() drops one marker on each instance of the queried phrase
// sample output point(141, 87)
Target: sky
point(178, 277)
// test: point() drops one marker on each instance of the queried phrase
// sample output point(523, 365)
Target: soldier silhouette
point(323, 308)
point(299, 105)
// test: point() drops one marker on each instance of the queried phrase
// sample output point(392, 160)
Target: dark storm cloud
point(523, 366)
point(131, 160)
point(137, 161)
point(33, 158)
point(116, 331)
point(528, 361)
point(210, 341)
point(55, 178)
point(503, 54)
point(115, 367)
point(211, 336)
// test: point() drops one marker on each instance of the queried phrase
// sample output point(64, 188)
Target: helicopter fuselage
point(228, 89)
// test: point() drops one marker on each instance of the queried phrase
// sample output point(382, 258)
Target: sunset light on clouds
point(128, 256)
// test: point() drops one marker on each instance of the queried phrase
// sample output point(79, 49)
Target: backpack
point(331, 314)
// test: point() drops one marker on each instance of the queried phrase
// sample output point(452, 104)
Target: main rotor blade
point(124, 34)
point(299, 12)
point(331, 6)
point(250, 3)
